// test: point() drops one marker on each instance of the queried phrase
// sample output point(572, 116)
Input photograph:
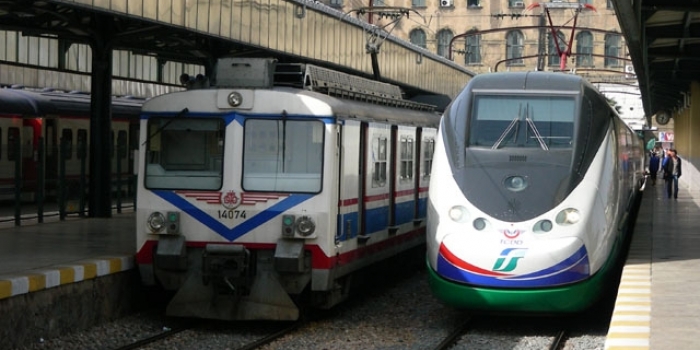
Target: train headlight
point(515, 183)
point(458, 213)
point(235, 99)
point(305, 226)
point(542, 226)
point(568, 216)
point(479, 224)
point(156, 222)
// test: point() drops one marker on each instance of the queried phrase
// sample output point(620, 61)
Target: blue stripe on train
point(233, 233)
point(378, 218)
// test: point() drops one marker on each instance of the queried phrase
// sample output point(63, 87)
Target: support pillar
point(100, 200)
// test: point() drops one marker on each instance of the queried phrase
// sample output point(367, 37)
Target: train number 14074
point(232, 214)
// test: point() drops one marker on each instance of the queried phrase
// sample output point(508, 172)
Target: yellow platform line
point(37, 280)
point(630, 325)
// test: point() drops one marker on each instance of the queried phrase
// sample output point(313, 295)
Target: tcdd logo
point(230, 200)
point(509, 259)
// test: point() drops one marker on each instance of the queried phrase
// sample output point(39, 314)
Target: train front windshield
point(506, 121)
point(184, 153)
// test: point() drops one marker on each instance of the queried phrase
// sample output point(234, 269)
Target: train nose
point(524, 263)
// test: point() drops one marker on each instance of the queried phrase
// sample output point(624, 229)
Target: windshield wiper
point(180, 114)
point(538, 136)
point(505, 133)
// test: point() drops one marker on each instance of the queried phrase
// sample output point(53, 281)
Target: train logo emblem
point(511, 234)
point(509, 259)
point(230, 200)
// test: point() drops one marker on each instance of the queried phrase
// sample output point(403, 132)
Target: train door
point(351, 144)
point(362, 193)
point(393, 139)
point(375, 198)
point(51, 151)
point(418, 174)
point(31, 132)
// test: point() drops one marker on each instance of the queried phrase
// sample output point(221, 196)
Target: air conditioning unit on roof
point(447, 3)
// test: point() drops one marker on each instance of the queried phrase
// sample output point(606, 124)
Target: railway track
point(193, 326)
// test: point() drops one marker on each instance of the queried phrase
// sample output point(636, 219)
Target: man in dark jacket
point(653, 167)
point(672, 171)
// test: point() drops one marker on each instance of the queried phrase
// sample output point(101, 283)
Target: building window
point(585, 2)
point(378, 3)
point(514, 48)
point(444, 37)
point(553, 58)
point(584, 49)
point(610, 5)
point(417, 37)
point(612, 50)
point(473, 3)
point(516, 3)
point(335, 3)
point(472, 47)
point(418, 3)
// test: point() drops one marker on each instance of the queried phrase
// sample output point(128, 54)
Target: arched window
point(612, 49)
point(514, 48)
point(472, 47)
point(553, 58)
point(584, 49)
point(444, 37)
point(417, 37)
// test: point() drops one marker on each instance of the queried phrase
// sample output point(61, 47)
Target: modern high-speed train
point(263, 191)
point(533, 182)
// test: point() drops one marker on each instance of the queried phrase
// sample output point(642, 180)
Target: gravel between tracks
point(399, 313)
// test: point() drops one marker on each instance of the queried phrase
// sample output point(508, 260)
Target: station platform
point(656, 305)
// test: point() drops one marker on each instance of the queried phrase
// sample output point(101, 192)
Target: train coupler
point(227, 268)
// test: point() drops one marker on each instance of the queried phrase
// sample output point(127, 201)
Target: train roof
point(298, 101)
point(533, 80)
point(37, 104)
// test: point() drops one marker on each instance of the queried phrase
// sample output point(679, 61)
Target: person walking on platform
point(672, 171)
point(653, 167)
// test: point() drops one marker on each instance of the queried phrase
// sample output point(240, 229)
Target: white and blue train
point(256, 199)
point(533, 182)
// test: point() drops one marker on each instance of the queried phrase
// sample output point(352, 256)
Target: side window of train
point(111, 144)
point(121, 143)
point(406, 171)
point(67, 143)
point(12, 143)
point(0, 143)
point(82, 143)
point(428, 150)
point(379, 150)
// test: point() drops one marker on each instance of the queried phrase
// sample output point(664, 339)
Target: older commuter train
point(265, 190)
point(533, 183)
point(39, 122)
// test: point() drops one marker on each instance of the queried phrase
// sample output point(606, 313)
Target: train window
point(82, 140)
point(111, 144)
point(0, 143)
point(67, 143)
point(406, 171)
point(184, 153)
point(379, 151)
point(542, 122)
point(121, 143)
point(428, 150)
point(283, 155)
point(13, 140)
